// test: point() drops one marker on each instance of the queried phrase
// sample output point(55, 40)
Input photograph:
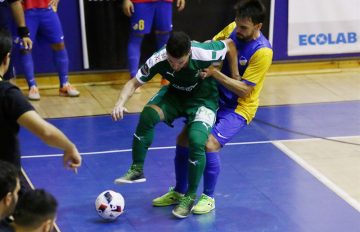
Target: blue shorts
point(151, 15)
point(227, 125)
point(44, 23)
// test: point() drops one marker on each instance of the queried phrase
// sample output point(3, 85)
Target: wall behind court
point(108, 29)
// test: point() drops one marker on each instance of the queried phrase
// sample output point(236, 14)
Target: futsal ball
point(110, 205)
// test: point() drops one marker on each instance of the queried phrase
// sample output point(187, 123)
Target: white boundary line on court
point(278, 143)
point(173, 147)
point(318, 175)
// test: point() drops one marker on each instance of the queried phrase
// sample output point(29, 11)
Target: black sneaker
point(133, 175)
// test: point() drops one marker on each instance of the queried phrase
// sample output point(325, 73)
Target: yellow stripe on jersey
point(255, 73)
point(225, 33)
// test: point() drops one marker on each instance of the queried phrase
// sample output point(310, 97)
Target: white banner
point(323, 27)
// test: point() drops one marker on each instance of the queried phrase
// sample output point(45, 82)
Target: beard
point(244, 38)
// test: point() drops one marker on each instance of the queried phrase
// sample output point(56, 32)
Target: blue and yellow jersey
point(255, 58)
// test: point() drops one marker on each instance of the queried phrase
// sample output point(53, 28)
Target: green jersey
point(187, 81)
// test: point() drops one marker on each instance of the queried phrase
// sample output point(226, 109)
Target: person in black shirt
point(16, 111)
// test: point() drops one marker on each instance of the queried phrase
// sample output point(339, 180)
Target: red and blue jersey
point(32, 4)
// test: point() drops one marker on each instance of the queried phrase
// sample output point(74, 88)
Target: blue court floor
point(260, 188)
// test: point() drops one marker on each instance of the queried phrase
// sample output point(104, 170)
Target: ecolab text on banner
point(323, 27)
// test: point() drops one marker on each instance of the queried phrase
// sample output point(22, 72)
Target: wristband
point(23, 32)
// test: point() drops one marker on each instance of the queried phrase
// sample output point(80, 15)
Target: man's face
point(13, 198)
point(178, 63)
point(246, 30)
point(6, 60)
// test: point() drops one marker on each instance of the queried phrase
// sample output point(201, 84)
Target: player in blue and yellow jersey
point(188, 95)
point(147, 15)
point(42, 19)
point(239, 100)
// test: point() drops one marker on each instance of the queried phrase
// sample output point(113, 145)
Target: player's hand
point(207, 72)
point(27, 43)
point(180, 4)
point(54, 3)
point(118, 112)
point(128, 8)
point(72, 159)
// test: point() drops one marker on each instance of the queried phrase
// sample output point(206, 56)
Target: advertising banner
point(318, 27)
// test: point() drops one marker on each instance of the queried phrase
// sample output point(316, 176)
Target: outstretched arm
point(52, 137)
point(127, 91)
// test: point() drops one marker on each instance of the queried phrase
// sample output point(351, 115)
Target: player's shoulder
point(157, 58)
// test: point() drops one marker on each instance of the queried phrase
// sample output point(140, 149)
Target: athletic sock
point(181, 168)
point(144, 135)
point(61, 61)
point(211, 173)
point(161, 39)
point(133, 53)
point(28, 67)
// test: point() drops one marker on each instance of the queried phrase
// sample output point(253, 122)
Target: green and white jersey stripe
point(187, 79)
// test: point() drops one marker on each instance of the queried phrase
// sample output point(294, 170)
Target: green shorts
point(200, 106)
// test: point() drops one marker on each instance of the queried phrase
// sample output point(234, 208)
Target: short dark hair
point(179, 44)
point(5, 43)
point(9, 176)
point(252, 9)
point(34, 208)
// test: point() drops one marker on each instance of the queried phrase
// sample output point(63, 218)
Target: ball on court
point(110, 205)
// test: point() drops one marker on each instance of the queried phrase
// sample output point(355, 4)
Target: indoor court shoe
point(34, 94)
point(183, 209)
point(133, 175)
point(170, 198)
point(204, 205)
point(68, 91)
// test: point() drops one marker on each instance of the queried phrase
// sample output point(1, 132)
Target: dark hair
point(252, 9)
point(178, 44)
point(34, 208)
point(9, 176)
point(5, 43)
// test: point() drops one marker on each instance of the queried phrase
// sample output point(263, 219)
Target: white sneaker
point(34, 94)
point(68, 91)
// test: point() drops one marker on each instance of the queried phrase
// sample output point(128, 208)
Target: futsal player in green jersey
point(238, 101)
point(188, 95)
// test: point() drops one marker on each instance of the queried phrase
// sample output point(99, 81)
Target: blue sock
point(211, 173)
point(181, 168)
point(28, 67)
point(134, 49)
point(161, 40)
point(61, 61)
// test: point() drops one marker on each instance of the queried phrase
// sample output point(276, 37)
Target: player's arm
point(52, 137)
point(127, 91)
point(23, 31)
point(232, 57)
point(258, 66)
point(241, 89)
point(128, 8)
point(180, 4)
